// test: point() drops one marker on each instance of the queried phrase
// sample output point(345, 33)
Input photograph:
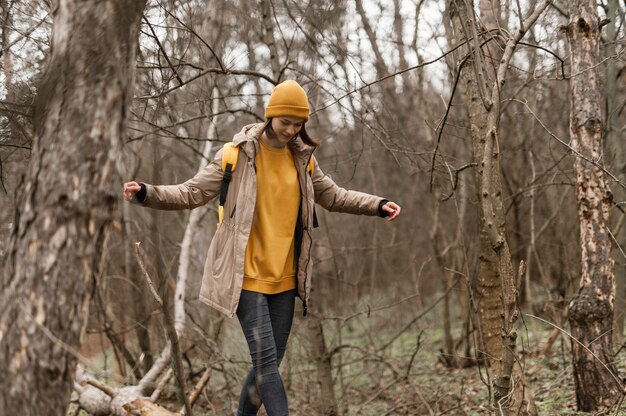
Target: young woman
point(260, 257)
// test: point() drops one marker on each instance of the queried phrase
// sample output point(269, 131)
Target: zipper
point(306, 229)
point(254, 157)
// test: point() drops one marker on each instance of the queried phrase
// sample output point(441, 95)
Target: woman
point(260, 256)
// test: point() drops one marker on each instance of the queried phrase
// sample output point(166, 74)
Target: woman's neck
point(272, 142)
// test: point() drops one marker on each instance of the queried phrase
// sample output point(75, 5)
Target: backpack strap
point(230, 154)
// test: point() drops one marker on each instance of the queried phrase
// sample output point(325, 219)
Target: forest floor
point(373, 380)
point(378, 371)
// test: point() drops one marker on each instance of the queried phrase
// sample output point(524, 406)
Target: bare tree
point(66, 204)
point(498, 287)
point(269, 39)
point(323, 362)
point(591, 311)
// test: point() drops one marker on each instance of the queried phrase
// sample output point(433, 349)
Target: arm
point(335, 198)
point(199, 190)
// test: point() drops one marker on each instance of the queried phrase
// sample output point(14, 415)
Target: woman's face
point(286, 128)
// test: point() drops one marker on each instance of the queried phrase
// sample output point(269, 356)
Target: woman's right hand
point(130, 189)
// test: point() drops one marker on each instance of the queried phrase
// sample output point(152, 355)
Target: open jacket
point(224, 266)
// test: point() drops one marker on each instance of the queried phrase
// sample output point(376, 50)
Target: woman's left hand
point(392, 209)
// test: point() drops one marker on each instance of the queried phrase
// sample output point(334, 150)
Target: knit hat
point(288, 99)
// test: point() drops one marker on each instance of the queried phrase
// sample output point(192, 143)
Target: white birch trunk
point(192, 223)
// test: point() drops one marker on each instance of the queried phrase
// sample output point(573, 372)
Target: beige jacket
point(223, 270)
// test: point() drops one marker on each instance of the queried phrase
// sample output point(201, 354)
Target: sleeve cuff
point(381, 213)
point(141, 195)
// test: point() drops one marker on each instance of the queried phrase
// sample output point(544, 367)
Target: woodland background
point(402, 312)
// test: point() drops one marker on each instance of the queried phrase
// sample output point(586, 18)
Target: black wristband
point(381, 212)
point(140, 196)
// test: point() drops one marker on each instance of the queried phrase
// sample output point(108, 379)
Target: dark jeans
point(266, 323)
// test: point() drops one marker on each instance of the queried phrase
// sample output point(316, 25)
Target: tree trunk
point(66, 203)
point(327, 401)
point(591, 310)
point(483, 97)
point(398, 27)
point(615, 141)
point(269, 39)
point(381, 67)
point(487, 282)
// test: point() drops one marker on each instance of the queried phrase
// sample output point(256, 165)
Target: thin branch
point(369, 84)
point(424, 312)
point(378, 393)
point(550, 52)
point(177, 363)
point(181, 122)
point(619, 247)
point(161, 385)
point(554, 136)
point(210, 71)
point(156, 38)
point(193, 32)
point(617, 380)
point(16, 146)
point(146, 275)
point(102, 387)
point(441, 124)
point(615, 56)
point(56, 340)
point(510, 49)
point(560, 10)
point(520, 15)
point(195, 393)
point(26, 34)
point(455, 179)
point(159, 365)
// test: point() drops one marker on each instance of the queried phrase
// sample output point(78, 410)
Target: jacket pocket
point(223, 259)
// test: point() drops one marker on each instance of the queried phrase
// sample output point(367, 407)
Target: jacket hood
point(247, 137)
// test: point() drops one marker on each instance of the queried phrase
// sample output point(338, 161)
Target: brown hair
point(311, 141)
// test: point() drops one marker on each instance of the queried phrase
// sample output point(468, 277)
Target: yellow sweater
point(269, 265)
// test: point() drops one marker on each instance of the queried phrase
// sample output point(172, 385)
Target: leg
point(249, 399)
point(281, 306)
point(256, 322)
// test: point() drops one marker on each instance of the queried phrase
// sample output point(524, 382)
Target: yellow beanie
point(288, 99)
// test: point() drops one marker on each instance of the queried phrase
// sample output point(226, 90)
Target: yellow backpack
point(230, 154)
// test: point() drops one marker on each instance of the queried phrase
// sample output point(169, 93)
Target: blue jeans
point(266, 323)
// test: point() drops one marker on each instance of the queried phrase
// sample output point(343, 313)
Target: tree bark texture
point(269, 39)
point(487, 281)
point(591, 311)
point(66, 203)
point(614, 139)
point(323, 362)
point(483, 97)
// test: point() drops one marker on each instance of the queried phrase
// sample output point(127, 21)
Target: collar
point(248, 140)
